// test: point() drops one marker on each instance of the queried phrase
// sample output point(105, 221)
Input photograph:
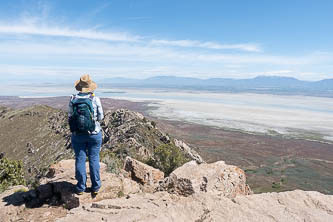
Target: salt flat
point(297, 116)
point(301, 116)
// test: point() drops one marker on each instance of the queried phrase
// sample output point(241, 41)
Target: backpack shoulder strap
point(73, 97)
point(91, 96)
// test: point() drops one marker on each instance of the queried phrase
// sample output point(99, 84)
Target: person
point(86, 141)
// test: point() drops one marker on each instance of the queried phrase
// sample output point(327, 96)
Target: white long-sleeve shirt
point(98, 110)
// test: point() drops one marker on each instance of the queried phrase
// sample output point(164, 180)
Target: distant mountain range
point(265, 84)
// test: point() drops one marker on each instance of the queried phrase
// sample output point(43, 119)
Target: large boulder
point(216, 178)
point(142, 173)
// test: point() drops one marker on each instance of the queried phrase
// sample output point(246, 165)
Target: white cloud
point(117, 53)
point(208, 45)
point(104, 51)
point(66, 32)
point(29, 26)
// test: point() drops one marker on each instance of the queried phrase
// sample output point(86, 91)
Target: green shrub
point(113, 163)
point(250, 171)
point(120, 194)
point(167, 157)
point(276, 185)
point(269, 171)
point(11, 173)
point(33, 182)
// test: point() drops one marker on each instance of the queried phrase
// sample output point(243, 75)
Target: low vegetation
point(276, 185)
point(112, 161)
point(167, 157)
point(11, 173)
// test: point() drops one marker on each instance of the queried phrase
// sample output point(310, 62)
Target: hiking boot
point(94, 193)
point(79, 192)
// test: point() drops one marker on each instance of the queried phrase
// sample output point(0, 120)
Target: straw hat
point(85, 84)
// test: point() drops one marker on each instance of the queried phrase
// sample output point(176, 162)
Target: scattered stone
point(165, 139)
point(31, 148)
point(51, 172)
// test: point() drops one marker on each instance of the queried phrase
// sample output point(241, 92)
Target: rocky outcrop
point(58, 188)
point(218, 197)
point(290, 206)
point(142, 173)
point(130, 133)
point(216, 178)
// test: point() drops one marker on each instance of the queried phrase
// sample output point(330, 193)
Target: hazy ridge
point(259, 84)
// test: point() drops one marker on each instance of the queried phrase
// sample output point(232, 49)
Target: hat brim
point(91, 87)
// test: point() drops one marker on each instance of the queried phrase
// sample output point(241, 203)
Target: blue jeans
point(87, 145)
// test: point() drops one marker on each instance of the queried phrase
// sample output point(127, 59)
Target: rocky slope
point(36, 135)
point(130, 133)
point(39, 136)
point(123, 199)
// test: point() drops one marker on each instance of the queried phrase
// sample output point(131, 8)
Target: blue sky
point(60, 40)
